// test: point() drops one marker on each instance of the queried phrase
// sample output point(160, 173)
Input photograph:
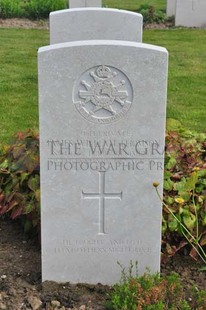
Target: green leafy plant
point(184, 191)
point(189, 220)
point(20, 181)
point(150, 15)
point(152, 292)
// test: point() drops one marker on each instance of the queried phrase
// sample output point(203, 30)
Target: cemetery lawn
point(18, 78)
point(20, 277)
point(187, 74)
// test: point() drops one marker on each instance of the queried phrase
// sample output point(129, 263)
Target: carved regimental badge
point(103, 94)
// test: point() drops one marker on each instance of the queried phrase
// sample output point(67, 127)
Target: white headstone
point(95, 24)
point(191, 13)
point(171, 7)
point(84, 3)
point(102, 125)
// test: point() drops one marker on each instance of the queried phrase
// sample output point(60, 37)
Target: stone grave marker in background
point(95, 24)
point(171, 7)
point(84, 3)
point(190, 13)
point(102, 108)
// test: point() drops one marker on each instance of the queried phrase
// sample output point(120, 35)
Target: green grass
point(18, 77)
point(187, 74)
point(133, 5)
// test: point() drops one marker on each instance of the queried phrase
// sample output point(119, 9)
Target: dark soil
point(20, 277)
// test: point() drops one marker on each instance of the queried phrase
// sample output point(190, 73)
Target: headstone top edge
point(102, 43)
point(96, 9)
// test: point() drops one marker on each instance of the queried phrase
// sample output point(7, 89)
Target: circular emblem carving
point(103, 94)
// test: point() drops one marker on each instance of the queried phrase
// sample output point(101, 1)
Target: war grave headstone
point(102, 112)
point(190, 13)
point(95, 24)
point(171, 7)
point(84, 3)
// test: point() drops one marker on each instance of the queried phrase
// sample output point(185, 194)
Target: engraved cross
point(102, 196)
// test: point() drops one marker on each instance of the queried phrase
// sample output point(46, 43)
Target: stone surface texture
point(171, 7)
point(191, 13)
point(84, 3)
point(102, 122)
point(95, 24)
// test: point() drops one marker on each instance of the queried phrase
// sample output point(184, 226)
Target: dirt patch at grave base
point(44, 24)
point(23, 23)
point(20, 277)
point(165, 25)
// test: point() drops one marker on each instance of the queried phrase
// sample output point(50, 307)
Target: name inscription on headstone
point(101, 246)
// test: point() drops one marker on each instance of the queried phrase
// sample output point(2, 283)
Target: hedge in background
point(34, 9)
point(37, 9)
